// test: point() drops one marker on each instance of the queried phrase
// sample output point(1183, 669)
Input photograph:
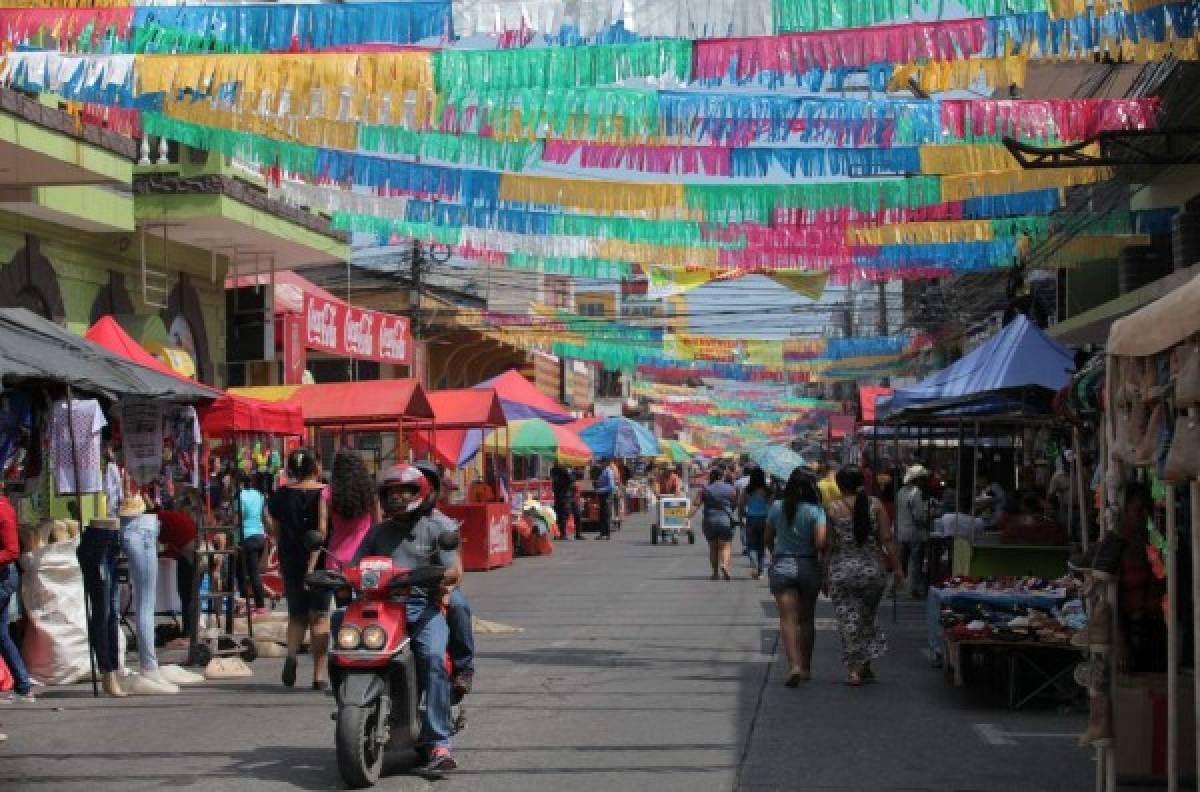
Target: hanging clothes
point(87, 419)
point(142, 428)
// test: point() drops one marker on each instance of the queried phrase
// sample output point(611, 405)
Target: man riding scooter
point(409, 536)
point(458, 611)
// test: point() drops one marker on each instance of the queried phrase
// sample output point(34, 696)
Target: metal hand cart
point(672, 520)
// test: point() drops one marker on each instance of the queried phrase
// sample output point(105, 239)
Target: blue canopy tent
point(619, 438)
point(1016, 372)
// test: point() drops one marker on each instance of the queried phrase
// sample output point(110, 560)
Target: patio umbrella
point(536, 437)
point(776, 460)
point(673, 451)
point(619, 438)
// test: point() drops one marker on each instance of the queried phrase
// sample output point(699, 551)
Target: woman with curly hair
point(352, 505)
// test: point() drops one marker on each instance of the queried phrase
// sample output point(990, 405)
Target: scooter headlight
point(348, 637)
point(374, 637)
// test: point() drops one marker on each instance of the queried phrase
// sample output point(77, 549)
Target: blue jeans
point(430, 634)
point(98, 552)
point(139, 537)
point(8, 649)
point(462, 636)
point(754, 528)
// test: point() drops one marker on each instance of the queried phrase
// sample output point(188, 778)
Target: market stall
point(1152, 390)
point(1002, 393)
point(65, 393)
point(460, 418)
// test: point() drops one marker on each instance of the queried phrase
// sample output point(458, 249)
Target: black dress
point(297, 510)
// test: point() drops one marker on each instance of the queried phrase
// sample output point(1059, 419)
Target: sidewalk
point(911, 730)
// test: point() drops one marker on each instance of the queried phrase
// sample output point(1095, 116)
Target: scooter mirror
point(448, 541)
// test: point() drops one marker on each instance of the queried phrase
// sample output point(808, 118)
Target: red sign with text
point(294, 358)
point(342, 329)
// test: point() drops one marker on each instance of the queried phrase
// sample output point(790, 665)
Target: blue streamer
point(817, 119)
point(280, 28)
point(820, 162)
point(1034, 202)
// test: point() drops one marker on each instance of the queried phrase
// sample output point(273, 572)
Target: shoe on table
point(440, 763)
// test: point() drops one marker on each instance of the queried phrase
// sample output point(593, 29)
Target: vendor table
point(1051, 665)
point(941, 598)
point(1000, 560)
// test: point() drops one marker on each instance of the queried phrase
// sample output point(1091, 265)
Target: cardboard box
point(1140, 727)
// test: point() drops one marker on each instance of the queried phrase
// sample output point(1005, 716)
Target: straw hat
point(913, 473)
point(133, 506)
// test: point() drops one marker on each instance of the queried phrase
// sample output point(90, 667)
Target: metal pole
point(1194, 508)
point(1077, 486)
point(1172, 647)
point(87, 607)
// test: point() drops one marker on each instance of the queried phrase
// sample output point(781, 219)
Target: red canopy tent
point(522, 399)
point(460, 415)
point(376, 404)
point(228, 414)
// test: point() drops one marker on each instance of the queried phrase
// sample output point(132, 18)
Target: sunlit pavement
point(633, 670)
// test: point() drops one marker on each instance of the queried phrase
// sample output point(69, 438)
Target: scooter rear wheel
point(359, 753)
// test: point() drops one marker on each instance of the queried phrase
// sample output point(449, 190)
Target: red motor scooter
point(372, 668)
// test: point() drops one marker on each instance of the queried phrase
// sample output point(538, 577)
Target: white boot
point(144, 685)
point(158, 676)
point(111, 685)
point(177, 675)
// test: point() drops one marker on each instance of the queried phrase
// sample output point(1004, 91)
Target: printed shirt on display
point(88, 420)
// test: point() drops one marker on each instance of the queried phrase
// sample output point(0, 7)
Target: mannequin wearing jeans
point(139, 539)
point(99, 548)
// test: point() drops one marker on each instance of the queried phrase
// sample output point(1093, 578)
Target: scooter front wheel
point(359, 752)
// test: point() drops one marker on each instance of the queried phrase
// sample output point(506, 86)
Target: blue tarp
point(619, 438)
point(1019, 356)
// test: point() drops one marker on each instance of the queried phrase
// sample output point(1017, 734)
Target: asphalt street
point(632, 670)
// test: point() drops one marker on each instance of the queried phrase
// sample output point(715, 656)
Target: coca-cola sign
point(333, 326)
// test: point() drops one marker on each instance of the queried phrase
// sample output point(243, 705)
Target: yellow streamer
point(590, 195)
point(642, 253)
point(809, 284)
point(958, 75)
point(923, 233)
point(951, 158)
point(969, 185)
point(1084, 249)
point(308, 131)
point(371, 87)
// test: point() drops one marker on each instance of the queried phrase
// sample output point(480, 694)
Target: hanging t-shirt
point(87, 421)
point(142, 433)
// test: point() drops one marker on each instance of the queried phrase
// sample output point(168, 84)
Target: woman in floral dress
point(861, 551)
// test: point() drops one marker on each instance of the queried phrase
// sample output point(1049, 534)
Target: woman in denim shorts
point(795, 535)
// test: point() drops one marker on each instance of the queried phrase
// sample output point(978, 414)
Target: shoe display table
point(1032, 669)
point(961, 600)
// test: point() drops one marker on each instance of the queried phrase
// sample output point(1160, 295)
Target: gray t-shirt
point(410, 545)
point(718, 499)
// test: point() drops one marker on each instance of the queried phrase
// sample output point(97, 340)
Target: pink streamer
point(801, 52)
point(18, 25)
point(1065, 119)
point(707, 160)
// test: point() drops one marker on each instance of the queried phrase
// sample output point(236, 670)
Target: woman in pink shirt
point(353, 506)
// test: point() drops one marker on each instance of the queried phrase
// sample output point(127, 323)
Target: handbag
point(1183, 458)
point(1145, 437)
point(1187, 377)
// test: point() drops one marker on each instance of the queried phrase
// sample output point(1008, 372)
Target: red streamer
point(795, 53)
point(1065, 119)
point(19, 25)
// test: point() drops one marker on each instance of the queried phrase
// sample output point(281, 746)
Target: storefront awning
point(232, 415)
point(330, 324)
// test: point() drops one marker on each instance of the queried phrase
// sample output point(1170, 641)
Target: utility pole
point(417, 266)
point(883, 309)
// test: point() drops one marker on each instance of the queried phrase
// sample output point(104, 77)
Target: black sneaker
point(439, 764)
point(1108, 557)
point(1083, 560)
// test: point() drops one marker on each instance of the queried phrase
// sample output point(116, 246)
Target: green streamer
point(468, 149)
point(291, 157)
point(560, 67)
point(757, 203)
point(599, 269)
point(383, 227)
point(583, 112)
point(804, 15)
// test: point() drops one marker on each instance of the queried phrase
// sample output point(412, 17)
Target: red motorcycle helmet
point(404, 475)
